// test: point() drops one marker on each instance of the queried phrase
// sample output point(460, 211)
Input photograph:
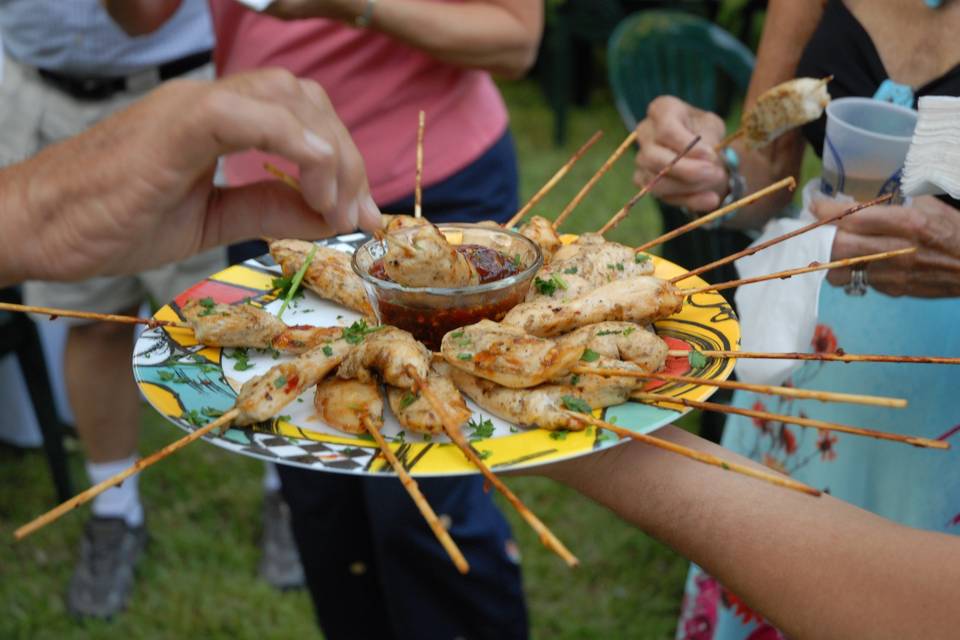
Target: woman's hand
point(928, 224)
point(699, 180)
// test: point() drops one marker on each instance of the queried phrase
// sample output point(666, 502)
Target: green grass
point(198, 577)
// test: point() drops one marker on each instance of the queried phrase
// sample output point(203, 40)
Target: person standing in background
point(65, 67)
point(380, 63)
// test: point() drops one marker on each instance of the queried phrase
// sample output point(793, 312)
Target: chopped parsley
point(208, 305)
point(640, 258)
point(461, 338)
point(514, 429)
point(284, 418)
point(484, 454)
point(400, 437)
point(193, 417)
point(628, 331)
point(696, 359)
point(617, 266)
point(575, 378)
point(589, 355)
point(427, 437)
point(517, 260)
point(327, 351)
point(280, 381)
point(465, 356)
point(610, 332)
point(242, 356)
point(560, 434)
point(549, 286)
point(573, 403)
point(355, 333)
point(481, 429)
point(210, 412)
point(407, 399)
point(570, 270)
point(294, 285)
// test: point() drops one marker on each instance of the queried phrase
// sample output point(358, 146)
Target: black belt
point(101, 88)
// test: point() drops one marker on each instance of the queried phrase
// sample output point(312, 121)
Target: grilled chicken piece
point(508, 355)
point(244, 325)
point(329, 275)
point(263, 397)
point(628, 342)
point(343, 403)
point(392, 223)
point(387, 351)
point(583, 265)
point(541, 231)
point(640, 299)
point(237, 325)
point(416, 414)
point(424, 258)
point(784, 107)
point(541, 406)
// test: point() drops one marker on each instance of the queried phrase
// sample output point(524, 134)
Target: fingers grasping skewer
point(693, 454)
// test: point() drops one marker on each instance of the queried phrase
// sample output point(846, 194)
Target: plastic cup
point(865, 148)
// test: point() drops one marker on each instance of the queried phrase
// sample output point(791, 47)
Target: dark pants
point(373, 567)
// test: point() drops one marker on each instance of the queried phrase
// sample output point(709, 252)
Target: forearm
point(16, 232)
point(816, 567)
point(789, 26)
point(500, 37)
point(139, 17)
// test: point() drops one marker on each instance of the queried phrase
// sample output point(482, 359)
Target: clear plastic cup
point(865, 147)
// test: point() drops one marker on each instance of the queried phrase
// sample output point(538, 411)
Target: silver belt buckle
point(143, 81)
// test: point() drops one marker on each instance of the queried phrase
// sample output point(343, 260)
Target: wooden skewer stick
point(699, 456)
point(629, 140)
point(418, 498)
point(823, 357)
point(453, 431)
point(552, 182)
point(797, 420)
point(726, 142)
point(789, 273)
point(788, 183)
point(620, 215)
point(418, 191)
point(281, 175)
point(749, 251)
point(88, 315)
point(91, 493)
point(787, 392)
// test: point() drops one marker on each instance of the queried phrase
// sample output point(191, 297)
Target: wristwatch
point(736, 185)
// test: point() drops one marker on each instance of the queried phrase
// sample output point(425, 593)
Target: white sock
point(117, 502)
point(271, 479)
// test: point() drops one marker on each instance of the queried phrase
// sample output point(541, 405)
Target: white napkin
point(781, 315)
point(256, 5)
point(933, 160)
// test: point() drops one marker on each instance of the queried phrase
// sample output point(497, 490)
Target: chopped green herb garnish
point(481, 429)
point(575, 378)
point(284, 418)
point(560, 434)
point(210, 412)
point(193, 417)
point(573, 403)
point(628, 331)
point(400, 437)
point(280, 381)
point(517, 260)
point(696, 359)
point(589, 355)
point(297, 279)
point(366, 436)
point(465, 356)
point(640, 258)
point(327, 351)
point(549, 286)
point(407, 399)
point(355, 333)
point(616, 266)
point(427, 437)
point(612, 419)
point(208, 305)
point(484, 454)
point(514, 429)
point(610, 332)
point(570, 270)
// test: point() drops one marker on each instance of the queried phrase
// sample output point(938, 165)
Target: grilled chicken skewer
point(424, 258)
point(415, 413)
point(781, 108)
point(329, 275)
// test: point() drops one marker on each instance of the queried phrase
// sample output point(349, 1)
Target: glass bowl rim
point(496, 285)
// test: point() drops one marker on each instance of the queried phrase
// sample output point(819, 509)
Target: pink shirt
point(377, 86)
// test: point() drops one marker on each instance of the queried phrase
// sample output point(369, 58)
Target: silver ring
point(858, 284)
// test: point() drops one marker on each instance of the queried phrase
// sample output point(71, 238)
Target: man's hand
point(136, 191)
point(699, 180)
point(928, 224)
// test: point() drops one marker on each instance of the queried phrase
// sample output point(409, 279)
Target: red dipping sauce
point(428, 323)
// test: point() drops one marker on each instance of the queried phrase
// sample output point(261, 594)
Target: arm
point(699, 181)
point(140, 17)
point(500, 36)
point(136, 191)
point(815, 567)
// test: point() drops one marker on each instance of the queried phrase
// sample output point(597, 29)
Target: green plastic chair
point(653, 53)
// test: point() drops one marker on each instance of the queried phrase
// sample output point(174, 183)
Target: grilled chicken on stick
point(329, 275)
point(781, 108)
point(425, 258)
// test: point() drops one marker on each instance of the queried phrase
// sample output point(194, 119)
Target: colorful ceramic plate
point(190, 384)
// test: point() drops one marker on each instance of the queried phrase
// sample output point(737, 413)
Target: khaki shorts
point(33, 115)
